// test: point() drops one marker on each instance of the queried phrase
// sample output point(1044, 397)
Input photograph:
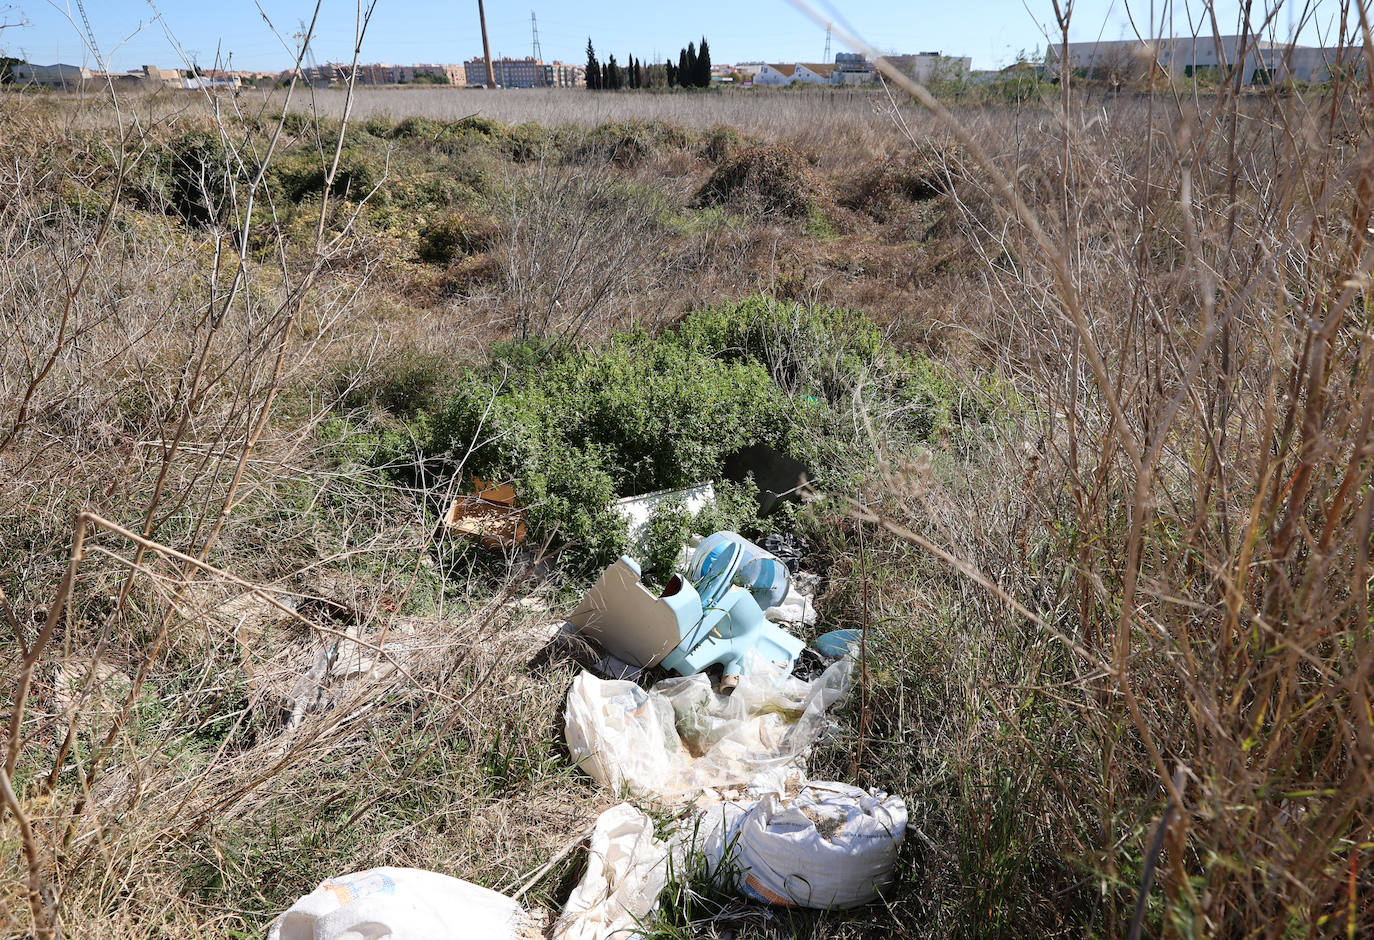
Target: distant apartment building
point(1131, 60)
point(383, 73)
point(55, 77)
point(528, 72)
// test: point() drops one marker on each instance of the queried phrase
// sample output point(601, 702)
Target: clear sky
point(134, 32)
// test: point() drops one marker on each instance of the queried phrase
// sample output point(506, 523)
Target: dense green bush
point(577, 429)
point(628, 143)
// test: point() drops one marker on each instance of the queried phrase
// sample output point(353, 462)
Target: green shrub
point(722, 143)
point(403, 386)
point(187, 177)
point(300, 174)
point(668, 532)
point(629, 143)
point(528, 142)
point(420, 127)
point(576, 429)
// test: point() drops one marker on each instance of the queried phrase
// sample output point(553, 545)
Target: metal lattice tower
point(538, 53)
point(825, 59)
point(90, 34)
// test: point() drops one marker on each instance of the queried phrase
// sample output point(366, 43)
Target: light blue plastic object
point(761, 572)
point(836, 643)
point(731, 625)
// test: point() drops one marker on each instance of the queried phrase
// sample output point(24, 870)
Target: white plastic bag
point(622, 735)
point(833, 845)
point(796, 607)
point(681, 737)
point(626, 871)
point(398, 904)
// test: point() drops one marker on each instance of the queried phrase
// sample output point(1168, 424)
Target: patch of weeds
point(699, 888)
point(819, 226)
point(708, 218)
point(772, 179)
point(455, 235)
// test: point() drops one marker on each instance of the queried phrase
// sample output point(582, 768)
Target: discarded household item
point(626, 871)
point(832, 845)
point(796, 607)
point(689, 626)
point(399, 904)
point(837, 643)
point(732, 629)
point(790, 548)
point(681, 737)
point(639, 511)
point(778, 476)
point(622, 735)
point(761, 572)
point(490, 515)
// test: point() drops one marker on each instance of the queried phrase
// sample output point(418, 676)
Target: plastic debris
point(638, 511)
point(760, 572)
point(837, 643)
point(626, 871)
point(399, 904)
point(832, 845)
point(796, 608)
point(690, 626)
point(790, 548)
point(681, 738)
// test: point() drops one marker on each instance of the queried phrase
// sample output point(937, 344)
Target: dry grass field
point(1085, 377)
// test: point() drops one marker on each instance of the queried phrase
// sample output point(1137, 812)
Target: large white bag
point(833, 845)
point(622, 735)
point(626, 871)
point(681, 737)
point(399, 904)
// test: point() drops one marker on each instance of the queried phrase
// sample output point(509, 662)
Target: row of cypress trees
point(692, 70)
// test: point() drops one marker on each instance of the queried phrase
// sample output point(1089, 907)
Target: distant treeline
point(692, 70)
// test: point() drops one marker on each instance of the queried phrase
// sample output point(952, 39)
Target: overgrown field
point(1083, 383)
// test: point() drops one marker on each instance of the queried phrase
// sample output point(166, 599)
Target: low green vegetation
point(576, 429)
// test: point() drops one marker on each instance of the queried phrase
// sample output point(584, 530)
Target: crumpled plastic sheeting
point(399, 904)
point(681, 738)
point(626, 871)
point(795, 608)
point(832, 845)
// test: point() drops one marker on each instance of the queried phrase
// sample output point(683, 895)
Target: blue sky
point(404, 31)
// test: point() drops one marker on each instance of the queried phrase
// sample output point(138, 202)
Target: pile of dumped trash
point(724, 744)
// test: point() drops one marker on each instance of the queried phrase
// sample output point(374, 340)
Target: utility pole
point(538, 53)
point(486, 46)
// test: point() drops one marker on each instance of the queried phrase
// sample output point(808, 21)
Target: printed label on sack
point(347, 890)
